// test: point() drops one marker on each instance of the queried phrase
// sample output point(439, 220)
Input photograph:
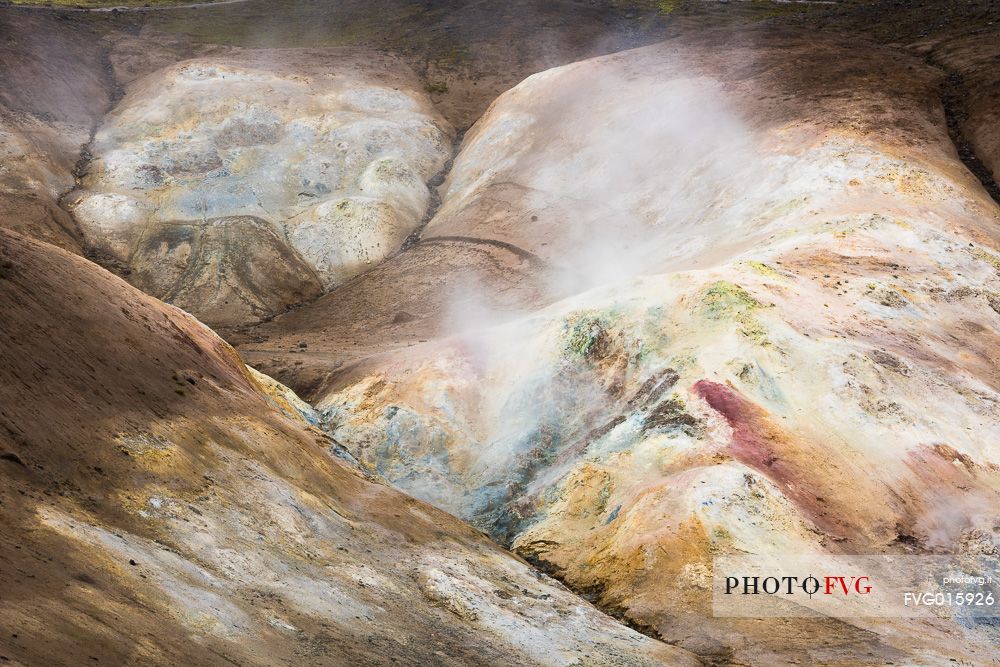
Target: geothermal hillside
point(457, 333)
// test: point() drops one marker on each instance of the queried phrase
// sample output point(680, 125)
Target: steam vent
point(548, 333)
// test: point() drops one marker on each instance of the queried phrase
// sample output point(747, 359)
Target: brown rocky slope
point(157, 507)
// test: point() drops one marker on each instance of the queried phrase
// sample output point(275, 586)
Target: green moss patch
point(723, 300)
point(763, 269)
point(588, 336)
point(988, 257)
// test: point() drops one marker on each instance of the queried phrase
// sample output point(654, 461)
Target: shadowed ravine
point(951, 100)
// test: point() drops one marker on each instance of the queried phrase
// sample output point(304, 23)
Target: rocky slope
point(735, 292)
point(239, 185)
point(788, 348)
point(49, 100)
point(159, 507)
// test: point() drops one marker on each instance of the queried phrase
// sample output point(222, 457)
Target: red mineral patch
point(759, 443)
point(753, 436)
